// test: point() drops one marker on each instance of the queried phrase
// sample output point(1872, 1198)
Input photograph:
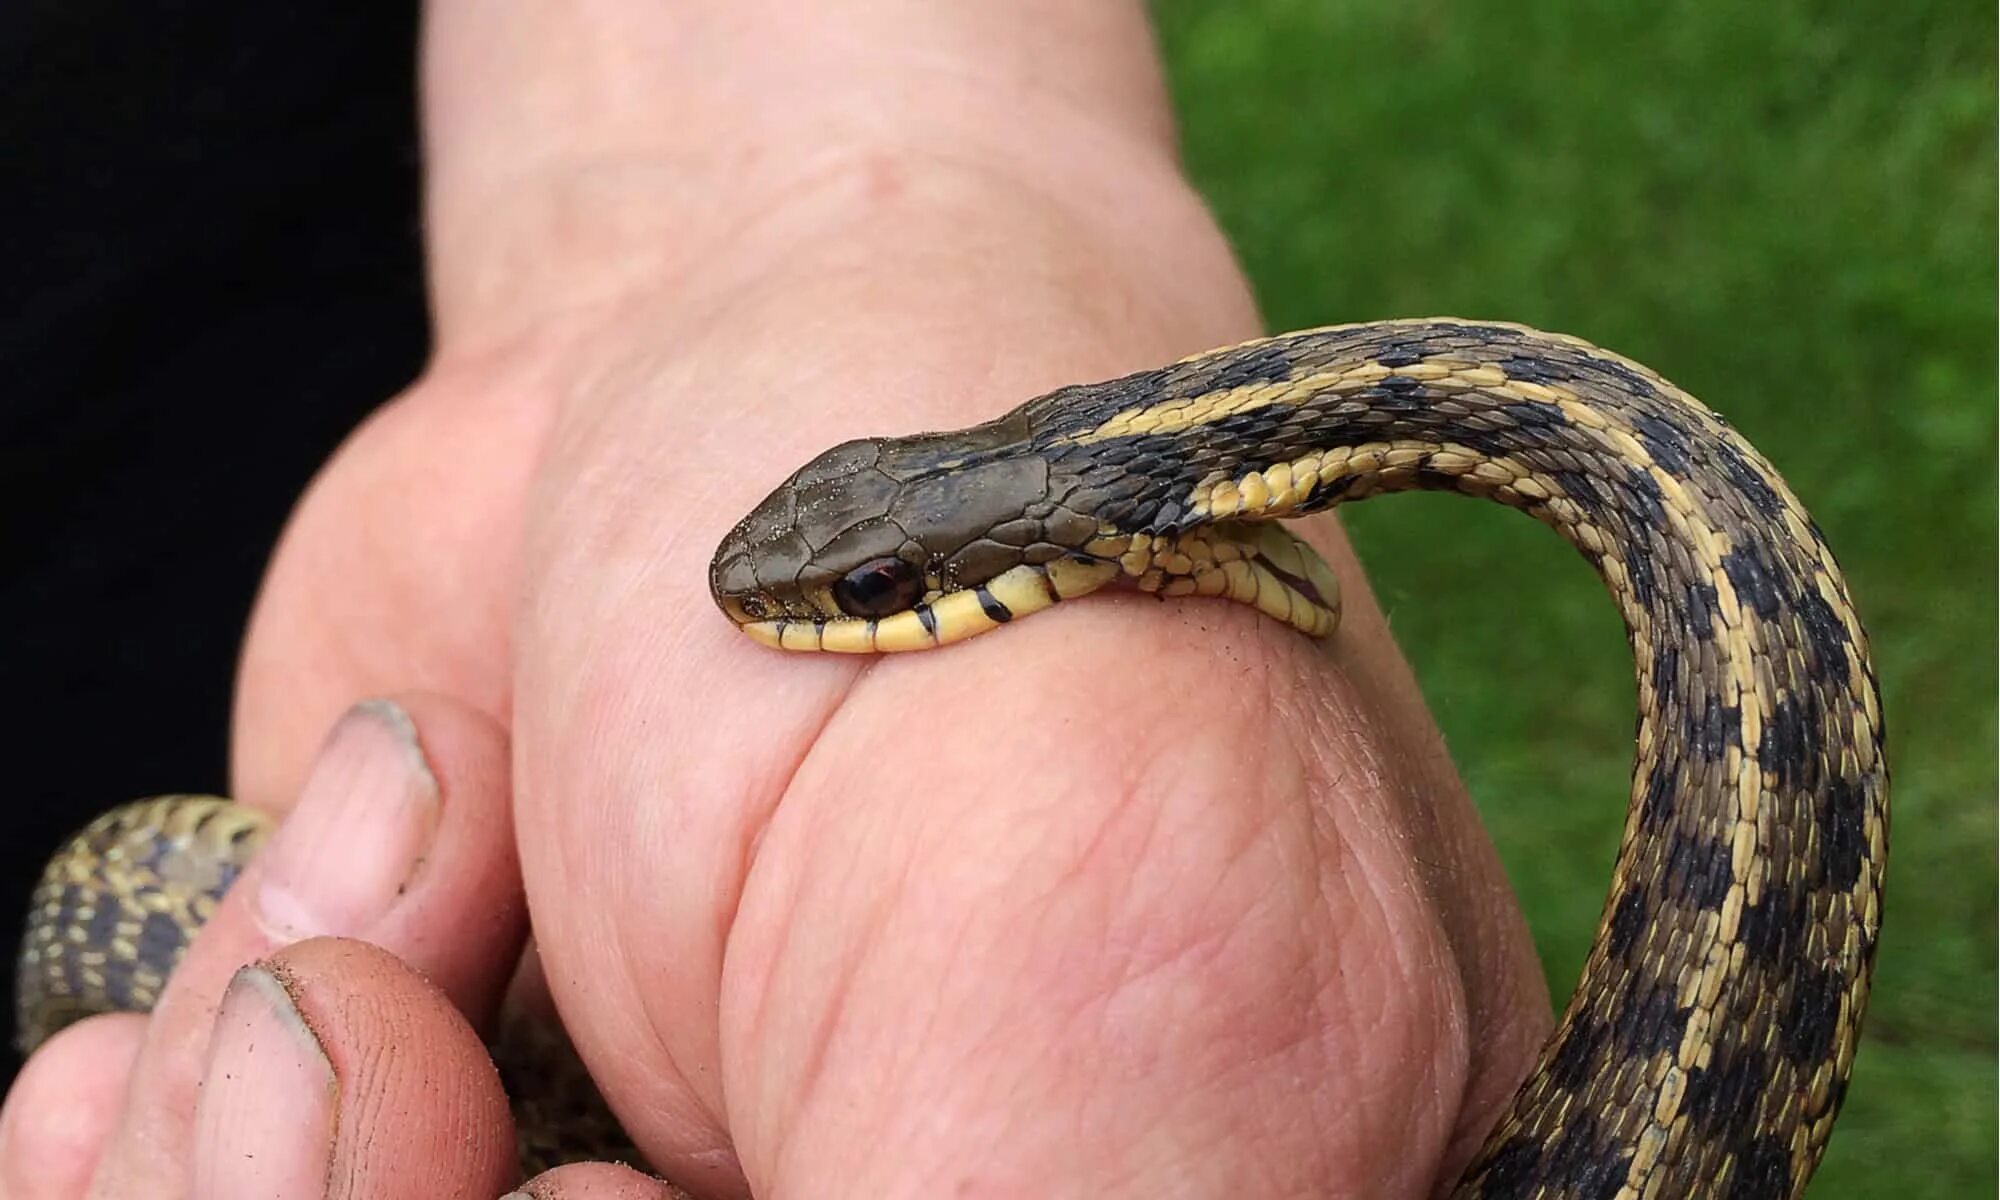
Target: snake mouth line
point(951, 617)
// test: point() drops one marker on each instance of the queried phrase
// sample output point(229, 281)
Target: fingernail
point(265, 1123)
point(359, 833)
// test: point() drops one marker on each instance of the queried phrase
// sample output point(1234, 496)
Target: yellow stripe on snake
point(1707, 1047)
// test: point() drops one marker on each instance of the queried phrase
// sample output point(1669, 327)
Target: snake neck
point(1707, 1046)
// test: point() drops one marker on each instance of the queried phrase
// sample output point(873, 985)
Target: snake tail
point(119, 903)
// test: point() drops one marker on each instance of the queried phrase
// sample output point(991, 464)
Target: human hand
point(283, 1059)
point(1131, 898)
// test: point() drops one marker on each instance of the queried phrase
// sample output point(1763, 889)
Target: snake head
point(902, 543)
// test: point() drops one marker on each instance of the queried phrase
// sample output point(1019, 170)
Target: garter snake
point(1707, 1047)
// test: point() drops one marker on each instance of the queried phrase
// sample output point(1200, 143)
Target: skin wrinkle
point(1321, 981)
point(1360, 900)
point(1047, 90)
point(1336, 833)
point(1389, 998)
point(1486, 1081)
point(705, 1090)
point(1203, 950)
point(859, 957)
point(855, 169)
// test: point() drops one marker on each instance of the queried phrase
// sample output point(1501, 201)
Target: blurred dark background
point(208, 220)
point(212, 272)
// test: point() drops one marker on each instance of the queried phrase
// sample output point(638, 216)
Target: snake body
point(1707, 1047)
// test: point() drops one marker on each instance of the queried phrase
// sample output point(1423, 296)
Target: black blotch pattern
point(1722, 1096)
point(1712, 729)
point(1747, 480)
point(1166, 518)
point(1812, 1016)
point(1265, 364)
point(1842, 833)
point(1825, 635)
point(1763, 1172)
point(1756, 580)
point(1626, 378)
point(117, 969)
point(1512, 1168)
point(1698, 872)
point(1646, 498)
point(1653, 1022)
point(1656, 797)
point(1666, 670)
point(1579, 487)
point(1786, 747)
point(1628, 921)
point(1400, 354)
point(102, 927)
point(1767, 928)
point(1536, 414)
point(1241, 429)
point(1702, 605)
point(1537, 370)
point(1666, 442)
point(1498, 441)
point(1484, 334)
point(1580, 1157)
point(161, 940)
point(1641, 573)
point(1584, 1042)
point(1396, 397)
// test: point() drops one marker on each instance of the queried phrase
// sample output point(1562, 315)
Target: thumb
point(336, 1070)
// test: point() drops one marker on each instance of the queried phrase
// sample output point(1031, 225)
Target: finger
point(64, 1106)
point(595, 1181)
point(336, 1070)
point(401, 837)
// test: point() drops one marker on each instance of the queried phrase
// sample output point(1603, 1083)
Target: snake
point(1707, 1047)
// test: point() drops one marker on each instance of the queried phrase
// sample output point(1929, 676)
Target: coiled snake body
point(1707, 1047)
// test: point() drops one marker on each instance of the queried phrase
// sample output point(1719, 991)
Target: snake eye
point(879, 588)
point(754, 607)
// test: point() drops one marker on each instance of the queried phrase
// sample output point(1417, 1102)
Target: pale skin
point(1129, 899)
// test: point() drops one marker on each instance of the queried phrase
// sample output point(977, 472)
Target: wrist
point(665, 154)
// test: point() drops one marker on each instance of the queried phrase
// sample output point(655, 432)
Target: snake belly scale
point(1707, 1047)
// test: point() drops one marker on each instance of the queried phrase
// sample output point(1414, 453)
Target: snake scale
point(1707, 1047)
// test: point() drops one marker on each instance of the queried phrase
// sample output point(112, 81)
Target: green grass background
point(1789, 209)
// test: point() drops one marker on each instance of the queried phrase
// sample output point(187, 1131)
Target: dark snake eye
point(754, 607)
point(879, 588)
